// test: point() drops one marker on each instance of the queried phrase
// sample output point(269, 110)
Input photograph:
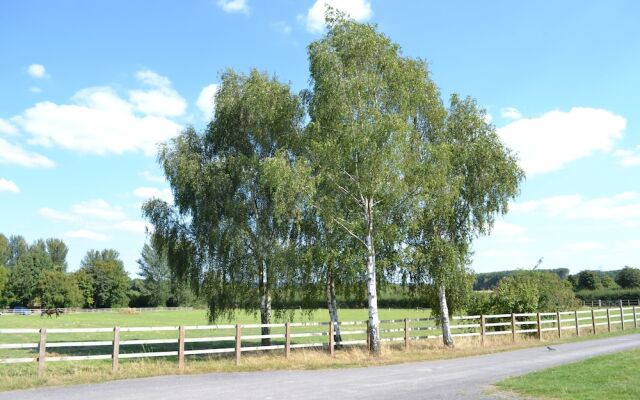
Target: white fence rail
point(306, 335)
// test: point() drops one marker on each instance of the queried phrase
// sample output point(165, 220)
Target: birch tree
point(470, 176)
point(232, 230)
point(361, 138)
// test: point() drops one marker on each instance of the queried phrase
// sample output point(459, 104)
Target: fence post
point(332, 339)
point(599, 303)
point(608, 319)
point(513, 327)
point(575, 313)
point(559, 324)
point(181, 347)
point(287, 340)
point(115, 356)
point(482, 329)
point(42, 352)
point(635, 320)
point(621, 318)
point(238, 343)
point(539, 326)
point(406, 334)
point(593, 321)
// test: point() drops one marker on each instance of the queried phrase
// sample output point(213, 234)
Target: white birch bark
point(265, 304)
point(374, 320)
point(332, 305)
point(444, 317)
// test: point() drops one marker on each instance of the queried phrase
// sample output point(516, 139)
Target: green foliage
point(17, 247)
point(4, 277)
point(628, 278)
point(5, 252)
point(489, 280)
point(57, 250)
point(84, 281)
point(232, 228)
point(109, 281)
point(588, 280)
point(155, 273)
point(608, 282)
point(531, 291)
point(58, 289)
point(609, 294)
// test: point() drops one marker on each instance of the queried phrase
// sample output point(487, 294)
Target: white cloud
point(86, 234)
point(7, 128)
point(548, 143)
point(161, 100)
point(99, 209)
point(151, 177)
point(511, 113)
point(149, 192)
point(8, 186)
point(580, 247)
point(233, 6)
point(133, 226)
point(502, 228)
point(37, 71)
point(98, 121)
point(620, 207)
point(281, 27)
point(206, 100)
point(360, 10)
point(35, 89)
point(56, 215)
point(16, 155)
point(628, 158)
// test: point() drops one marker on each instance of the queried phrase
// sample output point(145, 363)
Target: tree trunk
point(374, 320)
point(444, 317)
point(265, 304)
point(332, 305)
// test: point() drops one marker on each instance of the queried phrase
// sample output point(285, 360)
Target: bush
point(628, 278)
point(609, 294)
point(529, 291)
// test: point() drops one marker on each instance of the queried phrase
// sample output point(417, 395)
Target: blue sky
point(87, 89)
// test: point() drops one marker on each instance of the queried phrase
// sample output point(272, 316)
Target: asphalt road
point(461, 378)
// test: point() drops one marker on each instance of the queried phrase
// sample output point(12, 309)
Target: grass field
point(613, 376)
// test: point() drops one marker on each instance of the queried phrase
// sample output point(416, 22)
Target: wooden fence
point(37, 311)
point(610, 303)
point(240, 338)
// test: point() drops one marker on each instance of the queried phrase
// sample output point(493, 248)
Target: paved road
point(462, 378)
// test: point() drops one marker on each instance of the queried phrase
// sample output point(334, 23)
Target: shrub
point(628, 278)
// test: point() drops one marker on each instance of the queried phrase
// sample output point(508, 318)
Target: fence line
point(322, 334)
point(610, 303)
point(69, 310)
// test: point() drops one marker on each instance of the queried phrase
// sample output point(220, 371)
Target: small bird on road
point(551, 348)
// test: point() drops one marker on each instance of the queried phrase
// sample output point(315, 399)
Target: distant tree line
point(36, 276)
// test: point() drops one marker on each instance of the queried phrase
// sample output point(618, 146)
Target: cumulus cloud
point(133, 226)
point(86, 212)
point(628, 158)
point(234, 6)
point(37, 71)
point(360, 10)
point(548, 143)
point(16, 155)
point(99, 121)
point(150, 192)
point(281, 27)
point(87, 234)
point(160, 99)
point(510, 113)
point(621, 207)
point(151, 177)
point(7, 128)
point(206, 100)
point(8, 186)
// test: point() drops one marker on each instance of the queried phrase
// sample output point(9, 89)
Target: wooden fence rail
point(297, 335)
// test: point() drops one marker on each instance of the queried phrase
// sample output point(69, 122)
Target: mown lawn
point(613, 377)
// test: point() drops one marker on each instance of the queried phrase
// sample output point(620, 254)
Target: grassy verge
point(22, 376)
point(613, 376)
